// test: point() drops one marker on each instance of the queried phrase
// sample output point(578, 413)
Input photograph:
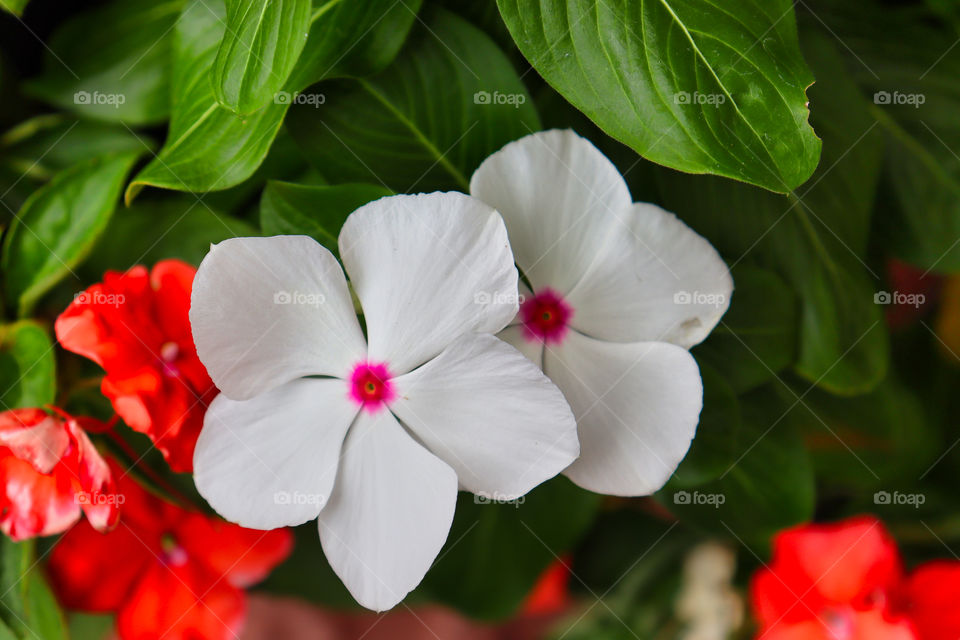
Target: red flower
point(844, 581)
point(931, 597)
point(49, 471)
point(551, 594)
point(167, 572)
point(136, 326)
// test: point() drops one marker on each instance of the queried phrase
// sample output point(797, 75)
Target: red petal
point(181, 603)
point(551, 592)
point(863, 625)
point(932, 595)
point(34, 504)
point(136, 326)
point(244, 556)
point(816, 566)
point(92, 571)
point(34, 436)
point(100, 498)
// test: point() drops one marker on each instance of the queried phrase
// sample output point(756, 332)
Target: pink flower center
point(546, 317)
point(172, 554)
point(371, 386)
point(839, 623)
point(169, 352)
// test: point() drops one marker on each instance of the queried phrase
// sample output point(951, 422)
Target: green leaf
point(43, 145)
point(58, 226)
point(149, 231)
point(769, 485)
point(696, 86)
point(111, 62)
point(15, 7)
point(316, 211)
point(259, 50)
point(28, 370)
point(426, 122)
point(911, 79)
point(713, 448)
point(27, 606)
point(208, 147)
point(881, 440)
point(495, 552)
point(353, 39)
point(757, 337)
point(815, 238)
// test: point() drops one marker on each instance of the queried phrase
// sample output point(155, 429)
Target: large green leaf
point(426, 122)
point(912, 81)
point(15, 7)
point(208, 147)
point(41, 146)
point(815, 238)
point(757, 337)
point(352, 39)
point(316, 211)
point(881, 440)
point(58, 225)
point(28, 608)
point(697, 86)
point(714, 447)
point(27, 366)
point(261, 45)
point(768, 486)
point(112, 62)
point(179, 227)
point(495, 552)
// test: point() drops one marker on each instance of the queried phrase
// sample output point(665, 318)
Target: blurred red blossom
point(914, 292)
point(551, 593)
point(165, 571)
point(845, 581)
point(136, 326)
point(50, 471)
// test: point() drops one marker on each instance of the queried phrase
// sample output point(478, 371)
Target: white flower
point(372, 435)
point(621, 290)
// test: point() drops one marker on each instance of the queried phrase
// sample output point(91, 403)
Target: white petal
point(657, 280)
point(637, 407)
point(427, 269)
point(515, 336)
point(491, 414)
point(391, 510)
point(271, 461)
point(265, 311)
point(558, 196)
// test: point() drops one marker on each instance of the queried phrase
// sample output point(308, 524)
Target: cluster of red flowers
point(162, 568)
point(846, 581)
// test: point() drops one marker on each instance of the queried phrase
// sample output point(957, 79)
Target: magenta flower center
point(371, 386)
point(546, 317)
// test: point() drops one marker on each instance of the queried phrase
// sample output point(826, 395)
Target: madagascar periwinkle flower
point(373, 432)
point(618, 292)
